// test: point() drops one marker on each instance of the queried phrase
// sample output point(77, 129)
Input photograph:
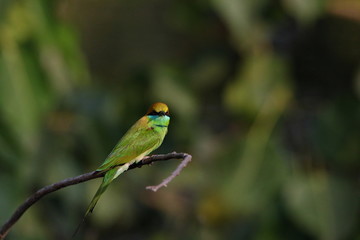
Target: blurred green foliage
point(264, 95)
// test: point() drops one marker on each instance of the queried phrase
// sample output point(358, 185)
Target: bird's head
point(158, 109)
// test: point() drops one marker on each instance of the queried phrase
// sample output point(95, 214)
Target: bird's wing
point(140, 140)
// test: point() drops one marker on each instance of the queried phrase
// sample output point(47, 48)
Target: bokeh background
point(263, 93)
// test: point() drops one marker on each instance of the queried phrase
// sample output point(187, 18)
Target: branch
point(4, 230)
point(187, 158)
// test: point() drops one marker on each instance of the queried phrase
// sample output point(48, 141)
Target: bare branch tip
point(151, 188)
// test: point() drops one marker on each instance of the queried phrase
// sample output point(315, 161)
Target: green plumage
point(142, 138)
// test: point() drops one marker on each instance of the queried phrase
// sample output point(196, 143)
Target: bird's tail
point(108, 178)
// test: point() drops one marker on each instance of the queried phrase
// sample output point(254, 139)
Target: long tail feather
point(108, 178)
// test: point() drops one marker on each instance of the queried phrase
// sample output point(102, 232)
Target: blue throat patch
point(160, 121)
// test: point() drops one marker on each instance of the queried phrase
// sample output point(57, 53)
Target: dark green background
point(264, 94)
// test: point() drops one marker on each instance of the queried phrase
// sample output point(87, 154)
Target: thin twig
point(165, 182)
point(4, 230)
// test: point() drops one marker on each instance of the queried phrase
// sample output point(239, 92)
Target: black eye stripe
point(154, 113)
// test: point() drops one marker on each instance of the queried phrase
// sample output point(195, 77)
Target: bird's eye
point(154, 113)
point(161, 113)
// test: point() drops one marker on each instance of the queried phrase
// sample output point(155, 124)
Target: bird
point(142, 138)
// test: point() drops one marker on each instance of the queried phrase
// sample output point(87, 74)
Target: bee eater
point(142, 138)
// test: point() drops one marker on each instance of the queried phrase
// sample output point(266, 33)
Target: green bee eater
point(142, 138)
